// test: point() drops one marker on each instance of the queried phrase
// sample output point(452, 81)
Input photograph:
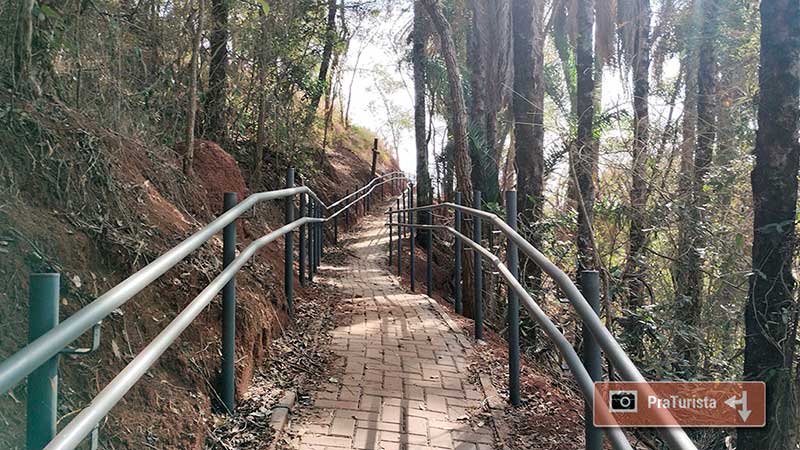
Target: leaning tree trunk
point(424, 188)
point(458, 121)
point(216, 128)
point(327, 55)
point(690, 290)
point(188, 157)
point(771, 311)
point(634, 264)
point(584, 157)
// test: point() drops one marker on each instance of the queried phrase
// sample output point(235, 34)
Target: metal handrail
point(675, 437)
point(343, 199)
point(33, 355)
point(19, 365)
point(26, 360)
point(615, 434)
point(79, 427)
point(83, 424)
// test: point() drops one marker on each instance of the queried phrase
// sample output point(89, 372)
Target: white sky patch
point(382, 96)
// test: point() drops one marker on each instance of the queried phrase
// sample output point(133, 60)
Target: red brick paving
point(404, 384)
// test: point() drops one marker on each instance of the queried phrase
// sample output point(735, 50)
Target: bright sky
point(382, 88)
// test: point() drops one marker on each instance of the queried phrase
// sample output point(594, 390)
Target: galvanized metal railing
point(39, 359)
point(585, 373)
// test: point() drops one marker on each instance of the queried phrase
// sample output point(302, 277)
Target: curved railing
point(675, 437)
point(50, 344)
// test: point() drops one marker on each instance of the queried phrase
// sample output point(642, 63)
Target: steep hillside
point(96, 206)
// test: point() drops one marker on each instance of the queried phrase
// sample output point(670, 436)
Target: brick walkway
point(402, 378)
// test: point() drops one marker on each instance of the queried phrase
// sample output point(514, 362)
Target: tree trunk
point(327, 54)
point(261, 131)
point(424, 192)
point(218, 73)
point(689, 307)
point(197, 18)
point(477, 41)
point(584, 157)
point(528, 130)
point(25, 77)
point(634, 264)
point(458, 108)
point(771, 311)
point(458, 127)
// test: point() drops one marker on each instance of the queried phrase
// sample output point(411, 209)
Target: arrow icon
point(744, 413)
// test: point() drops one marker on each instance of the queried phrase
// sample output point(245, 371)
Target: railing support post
point(458, 265)
point(513, 304)
point(405, 215)
point(229, 310)
point(288, 257)
point(391, 242)
point(347, 216)
point(317, 238)
point(320, 236)
point(302, 242)
point(478, 307)
point(429, 254)
point(312, 237)
point(399, 241)
point(411, 239)
point(42, 405)
point(335, 230)
point(590, 287)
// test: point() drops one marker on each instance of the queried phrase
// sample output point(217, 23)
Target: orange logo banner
point(685, 404)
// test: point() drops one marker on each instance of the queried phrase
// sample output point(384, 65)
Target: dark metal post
point(312, 240)
point(391, 241)
point(229, 310)
point(476, 230)
point(347, 216)
point(321, 233)
point(513, 304)
point(374, 158)
point(458, 266)
point(302, 243)
point(288, 256)
point(399, 241)
point(316, 238)
point(590, 288)
point(42, 406)
point(411, 240)
point(429, 254)
point(335, 230)
point(405, 215)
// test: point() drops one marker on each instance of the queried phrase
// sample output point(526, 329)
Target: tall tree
point(457, 105)
point(458, 128)
point(261, 125)
point(528, 129)
point(24, 75)
point(584, 158)
point(489, 48)
point(325, 63)
point(216, 127)
point(419, 38)
point(635, 264)
point(197, 19)
point(688, 341)
point(771, 312)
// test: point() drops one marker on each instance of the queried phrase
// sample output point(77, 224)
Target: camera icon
point(623, 401)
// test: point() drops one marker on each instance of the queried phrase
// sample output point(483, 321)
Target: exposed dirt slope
point(96, 206)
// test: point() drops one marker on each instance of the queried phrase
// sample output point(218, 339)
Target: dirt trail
point(401, 377)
